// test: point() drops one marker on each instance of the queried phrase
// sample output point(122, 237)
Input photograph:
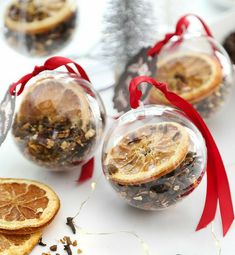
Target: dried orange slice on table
point(192, 76)
point(20, 245)
point(147, 153)
point(26, 206)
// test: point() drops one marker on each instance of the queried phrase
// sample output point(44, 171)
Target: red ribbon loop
point(181, 26)
point(50, 64)
point(217, 182)
point(37, 70)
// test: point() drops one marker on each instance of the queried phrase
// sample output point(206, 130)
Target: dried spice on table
point(53, 248)
point(70, 223)
point(68, 245)
point(41, 243)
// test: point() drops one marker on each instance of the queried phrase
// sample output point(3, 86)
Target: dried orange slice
point(192, 76)
point(26, 206)
point(20, 245)
point(56, 100)
point(147, 153)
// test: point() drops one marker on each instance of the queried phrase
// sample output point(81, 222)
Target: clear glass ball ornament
point(153, 157)
point(197, 68)
point(60, 121)
point(39, 27)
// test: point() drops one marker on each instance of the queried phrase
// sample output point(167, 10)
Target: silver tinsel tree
point(129, 25)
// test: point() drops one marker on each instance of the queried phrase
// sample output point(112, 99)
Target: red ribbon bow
point(218, 189)
point(181, 26)
point(52, 64)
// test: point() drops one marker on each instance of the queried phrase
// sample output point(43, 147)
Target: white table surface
point(168, 232)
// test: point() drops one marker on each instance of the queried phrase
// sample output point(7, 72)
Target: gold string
point(93, 186)
point(143, 244)
point(218, 244)
point(216, 239)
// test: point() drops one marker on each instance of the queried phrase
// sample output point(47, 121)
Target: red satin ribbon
point(218, 189)
point(52, 64)
point(181, 26)
point(87, 171)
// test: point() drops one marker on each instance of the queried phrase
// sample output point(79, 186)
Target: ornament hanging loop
point(37, 70)
point(181, 27)
point(50, 64)
point(206, 29)
point(135, 93)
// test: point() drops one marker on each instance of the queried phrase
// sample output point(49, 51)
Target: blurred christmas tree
point(129, 26)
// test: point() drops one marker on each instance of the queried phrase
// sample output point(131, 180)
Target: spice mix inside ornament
point(156, 155)
point(195, 67)
point(39, 28)
point(60, 120)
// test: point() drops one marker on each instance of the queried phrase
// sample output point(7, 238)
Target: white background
point(168, 232)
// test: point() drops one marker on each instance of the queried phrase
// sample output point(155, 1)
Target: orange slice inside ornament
point(55, 100)
point(147, 153)
point(192, 76)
